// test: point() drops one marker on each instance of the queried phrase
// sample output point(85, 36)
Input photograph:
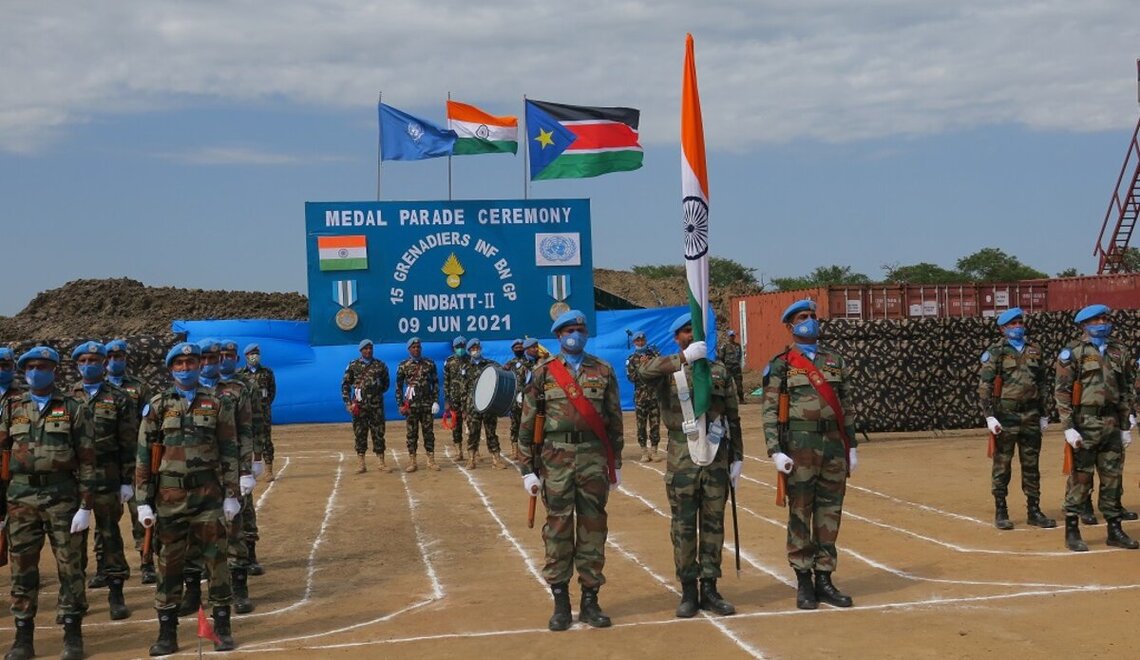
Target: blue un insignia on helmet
point(45, 353)
point(985, 357)
point(1065, 355)
point(186, 350)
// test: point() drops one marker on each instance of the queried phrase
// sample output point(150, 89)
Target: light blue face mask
point(1016, 333)
point(116, 367)
point(211, 370)
point(187, 379)
point(1099, 330)
point(228, 365)
point(6, 376)
point(806, 329)
point(39, 379)
point(91, 372)
point(573, 342)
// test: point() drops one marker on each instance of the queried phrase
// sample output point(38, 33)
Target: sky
point(176, 143)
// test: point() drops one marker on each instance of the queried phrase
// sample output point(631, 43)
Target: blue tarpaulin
point(308, 377)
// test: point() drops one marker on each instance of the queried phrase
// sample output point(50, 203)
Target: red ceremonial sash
point(586, 409)
point(798, 360)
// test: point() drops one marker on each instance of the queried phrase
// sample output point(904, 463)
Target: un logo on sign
point(557, 248)
point(415, 131)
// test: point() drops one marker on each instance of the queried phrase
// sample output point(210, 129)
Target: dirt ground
point(442, 565)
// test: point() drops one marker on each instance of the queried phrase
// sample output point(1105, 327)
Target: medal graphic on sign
point(558, 286)
point(344, 293)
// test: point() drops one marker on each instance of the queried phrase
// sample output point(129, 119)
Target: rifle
point(735, 527)
point(783, 412)
point(536, 454)
point(148, 534)
point(997, 400)
point(5, 475)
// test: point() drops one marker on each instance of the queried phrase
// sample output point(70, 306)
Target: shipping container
point(1120, 291)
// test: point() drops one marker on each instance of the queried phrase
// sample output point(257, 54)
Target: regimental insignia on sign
point(558, 309)
point(346, 319)
point(453, 269)
point(344, 292)
point(558, 286)
point(558, 249)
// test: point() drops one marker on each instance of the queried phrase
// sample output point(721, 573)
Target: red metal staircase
point(1123, 210)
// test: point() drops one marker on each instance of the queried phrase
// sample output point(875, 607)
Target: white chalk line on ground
point(276, 478)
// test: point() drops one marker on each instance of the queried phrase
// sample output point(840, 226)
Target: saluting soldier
point(362, 388)
point(1096, 423)
point(814, 447)
point(50, 441)
point(647, 409)
point(264, 389)
point(417, 397)
point(477, 422)
point(453, 402)
point(733, 357)
point(581, 463)
point(697, 491)
point(1013, 390)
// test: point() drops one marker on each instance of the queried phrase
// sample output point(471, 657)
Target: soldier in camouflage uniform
point(116, 431)
point(573, 477)
point(476, 422)
point(195, 492)
point(265, 388)
point(453, 389)
point(815, 455)
point(140, 393)
point(520, 366)
point(48, 491)
point(417, 396)
point(646, 406)
point(1096, 426)
point(262, 384)
point(1016, 416)
point(362, 389)
point(733, 357)
point(697, 494)
point(9, 387)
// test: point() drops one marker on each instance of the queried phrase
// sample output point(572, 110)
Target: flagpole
point(526, 152)
point(379, 139)
point(449, 159)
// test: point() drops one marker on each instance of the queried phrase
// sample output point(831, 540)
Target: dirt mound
point(666, 292)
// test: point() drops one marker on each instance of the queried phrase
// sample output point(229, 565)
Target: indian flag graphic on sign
point(342, 252)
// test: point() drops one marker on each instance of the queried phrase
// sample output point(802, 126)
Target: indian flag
point(481, 133)
point(695, 220)
point(342, 252)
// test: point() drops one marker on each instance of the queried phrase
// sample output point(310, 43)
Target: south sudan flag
point(577, 141)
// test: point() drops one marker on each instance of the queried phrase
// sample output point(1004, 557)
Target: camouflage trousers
point(648, 415)
point(574, 491)
point(815, 499)
point(420, 418)
point(249, 519)
point(267, 443)
point(1104, 454)
point(31, 518)
point(697, 497)
point(369, 420)
point(738, 378)
point(516, 422)
point(1026, 439)
point(191, 526)
point(457, 432)
point(485, 423)
point(237, 547)
point(110, 557)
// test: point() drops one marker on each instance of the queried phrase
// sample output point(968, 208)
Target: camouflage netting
point(917, 375)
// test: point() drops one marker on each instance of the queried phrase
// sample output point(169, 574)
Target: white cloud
point(769, 71)
point(236, 155)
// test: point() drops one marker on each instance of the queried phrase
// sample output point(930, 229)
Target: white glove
point(994, 425)
point(697, 350)
point(1132, 421)
point(734, 471)
point(1126, 438)
point(518, 398)
point(146, 515)
point(852, 461)
point(1044, 422)
point(230, 508)
point(258, 469)
point(435, 408)
point(81, 521)
point(783, 462)
point(617, 480)
point(246, 483)
point(532, 483)
point(1073, 437)
point(126, 492)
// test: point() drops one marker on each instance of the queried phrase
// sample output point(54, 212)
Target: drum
point(494, 391)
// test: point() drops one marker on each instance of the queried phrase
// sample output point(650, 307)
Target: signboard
point(492, 269)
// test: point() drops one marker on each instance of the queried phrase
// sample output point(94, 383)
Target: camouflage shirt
point(115, 420)
point(139, 392)
point(1025, 384)
point(195, 435)
point(657, 374)
point(642, 392)
point(453, 381)
point(520, 367)
point(58, 438)
point(420, 375)
point(242, 395)
point(1106, 384)
point(732, 354)
point(805, 403)
point(598, 382)
point(370, 378)
point(469, 376)
point(265, 385)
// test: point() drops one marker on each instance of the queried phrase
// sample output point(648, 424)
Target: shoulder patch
point(767, 370)
point(145, 410)
point(1065, 355)
point(986, 357)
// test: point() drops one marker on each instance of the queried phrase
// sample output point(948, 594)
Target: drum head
point(485, 388)
point(494, 391)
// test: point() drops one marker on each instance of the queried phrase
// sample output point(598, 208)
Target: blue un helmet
point(183, 348)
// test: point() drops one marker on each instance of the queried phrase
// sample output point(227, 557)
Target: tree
point(994, 265)
point(725, 272)
point(821, 276)
point(1069, 272)
point(1132, 259)
point(922, 273)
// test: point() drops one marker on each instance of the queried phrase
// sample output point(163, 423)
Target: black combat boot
point(1087, 515)
point(1118, 538)
point(689, 600)
point(222, 629)
point(590, 612)
point(805, 591)
point(826, 592)
point(255, 567)
point(1125, 514)
point(167, 641)
point(22, 648)
point(115, 600)
point(712, 601)
point(1073, 535)
point(1001, 514)
point(191, 594)
point(97, 581)
point(562, 617)
point(148, 576)
point(1035, 517)
point(72, 638)
point(242, 603)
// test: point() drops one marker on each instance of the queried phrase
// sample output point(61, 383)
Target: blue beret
point(459, 341)
point(38, 353)
point(1091, 312)
point(640, 334)
point(229, 345)
point(795, 308)
point(530, 342)
point(209, 345)
point(184, 348)
point(363, 343)
point(89, 347)
point(413, 340)
point(517, 341)
point(567, 318)
point(1010, 315)
point(6, 353)
point(474, 341)
point(681, 321)
point(250, 348)
point(117, 345)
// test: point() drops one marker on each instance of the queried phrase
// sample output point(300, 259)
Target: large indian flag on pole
point(481, 133)
point(695, 219)
point(342, 252)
